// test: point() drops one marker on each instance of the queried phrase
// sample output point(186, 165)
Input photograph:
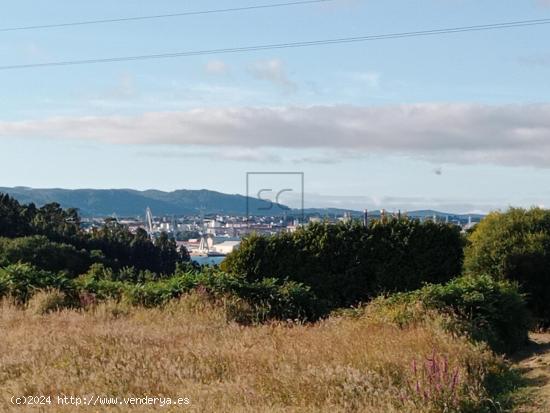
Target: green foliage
point(50, 220)
point(125, 249)
point(347, 263)
point(113, 244)
point(4, 284)
point(54, 222)
point(21, 281)
point(14, 219)
point(280, 299)
point(45, 254)
point(515, 245)
point(271, 298)
point(489, 310)
point(155, 293)
point(100, 281)
point(168, 253)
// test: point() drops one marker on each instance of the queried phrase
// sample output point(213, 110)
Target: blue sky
point(458, 122)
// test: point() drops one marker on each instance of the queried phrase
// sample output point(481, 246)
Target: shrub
point(100, 289)
point(280, 299)
point(131, 274)
point(347, 263)
point(4, 284)
point(44, 254)
point(515, 245)
point(155, 293)
point(270, 298)
point(46, 301)
point(22, 280)
point(99, 271)
point(488, 310)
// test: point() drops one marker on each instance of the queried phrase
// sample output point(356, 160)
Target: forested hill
point(129, 202)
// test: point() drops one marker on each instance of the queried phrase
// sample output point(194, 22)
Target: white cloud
point(439, 132)
point(274, 71)
point(260, 155)
point(230, 154)
point(216, 67)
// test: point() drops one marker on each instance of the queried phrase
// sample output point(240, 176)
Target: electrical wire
point(162, 16)
point(433, 32)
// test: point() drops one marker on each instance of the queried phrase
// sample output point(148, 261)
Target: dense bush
point(515, 245)
point(347, 263)
point(21, 281)
point(274, 298)
point(47, 255)
point(271, 298)
point(489, 310)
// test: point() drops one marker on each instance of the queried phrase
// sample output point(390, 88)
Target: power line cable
point(433, 32)
point(161, 16)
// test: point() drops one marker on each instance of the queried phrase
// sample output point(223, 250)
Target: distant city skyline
point(457, 122)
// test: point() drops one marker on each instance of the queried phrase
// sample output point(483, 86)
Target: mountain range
point(130, 203)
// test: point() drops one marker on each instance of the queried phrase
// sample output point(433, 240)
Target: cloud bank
point(440, 132)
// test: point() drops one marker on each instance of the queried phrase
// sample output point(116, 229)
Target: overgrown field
point(188, 348)
point(329, 318)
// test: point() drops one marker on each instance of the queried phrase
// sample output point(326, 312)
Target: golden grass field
point(189, 349)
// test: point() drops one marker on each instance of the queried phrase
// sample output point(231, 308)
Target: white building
point(226, 247)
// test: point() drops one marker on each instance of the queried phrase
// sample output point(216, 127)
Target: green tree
point(168, 253)
point(56, 223)
point(515, 245)
point(44, 254)
point(346, 263)
point(14, 219)
point(183, 254)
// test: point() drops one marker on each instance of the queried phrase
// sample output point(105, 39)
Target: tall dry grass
point(189, 349)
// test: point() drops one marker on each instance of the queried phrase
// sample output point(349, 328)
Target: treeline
point(346, 263)
point(50, 238)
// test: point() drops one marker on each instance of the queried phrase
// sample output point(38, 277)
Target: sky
point(455, 122)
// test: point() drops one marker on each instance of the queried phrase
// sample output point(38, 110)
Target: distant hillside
point(129, 202)
point(421, 214)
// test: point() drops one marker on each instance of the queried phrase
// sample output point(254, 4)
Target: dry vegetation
point(189, 349)
point(534, 361)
